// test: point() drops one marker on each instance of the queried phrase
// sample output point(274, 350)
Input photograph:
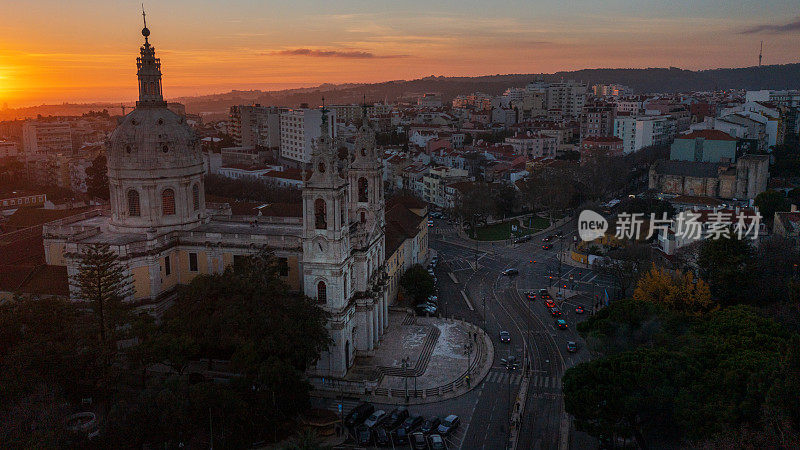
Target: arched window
point(362, 189)
point(320, 215)
point(133, 204)
point(322, 292)
point(168, 202)
point(196, 197)
point(363, 217)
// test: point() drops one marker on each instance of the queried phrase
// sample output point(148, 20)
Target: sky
point(55, 51)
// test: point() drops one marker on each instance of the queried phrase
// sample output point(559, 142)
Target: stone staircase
point(422, 361)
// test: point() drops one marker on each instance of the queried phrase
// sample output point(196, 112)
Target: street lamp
point(468, 351)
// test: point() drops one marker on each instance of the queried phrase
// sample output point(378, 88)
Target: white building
point(638, 132)
point(567, 96)
point(46, 138)
point(299, 129)
point(255, 125)
point(8, 149)
point(534, 145)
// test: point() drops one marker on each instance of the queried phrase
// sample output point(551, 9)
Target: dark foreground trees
point(51, 357)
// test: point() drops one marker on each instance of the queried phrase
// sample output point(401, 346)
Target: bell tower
point(326, 240)
point(365, 194)
point(149, 73)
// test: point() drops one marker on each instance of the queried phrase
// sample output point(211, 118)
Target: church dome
point(155, 165)
point(153, 140)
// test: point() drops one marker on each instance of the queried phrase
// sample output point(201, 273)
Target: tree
point(723, 263)
point(417, 283)
point(679, 292)
point(625, 265)
point(97, 178)
point(475, 204)
point(769, 202)
point(104, 283)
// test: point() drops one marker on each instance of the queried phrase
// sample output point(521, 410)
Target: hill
point(665, 80)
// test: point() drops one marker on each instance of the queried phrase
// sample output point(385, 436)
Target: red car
point(550, 303)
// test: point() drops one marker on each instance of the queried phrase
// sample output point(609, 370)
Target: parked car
point(382, 437)
point(430, 425)
point(396, 418)
point(426, 309)
point(505, 336)
point(562, 324)
point(433, 299)
point(572, 347)
point(410, 424)
point(550, 303)
point(418, 441)
point(555, 311)
point(376, 418)
point(449, 424)
point(436, 442)
point(579, 309)
point(364, 435)
point(359, 414)
point(510, 272)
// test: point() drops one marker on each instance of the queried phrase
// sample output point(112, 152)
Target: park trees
point(680, 292)
point(417, 283)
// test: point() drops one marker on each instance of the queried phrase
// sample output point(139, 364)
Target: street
point(499, 303)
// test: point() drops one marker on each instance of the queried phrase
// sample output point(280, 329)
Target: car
point(449, 424)
point(562, 324)
point(376, 418)
point(431, 272)
point(531, 295)
point(359, 414)
point(364, 435)
point(505, 336)
point(550, 303)
point(572, 347)
point(522, 239)
point(510, 272)
point(558, 234)
point(544, 293)
point(554, 237)
point(547, 239)
point(430, 222)
point(430, 425)
point(555, 311)
point(410, 424)
point(547, 246)
point(396, 418)
point(382, 437)
point(418, 441)
point(436, 442)
point(426, 309)
point(579, 309)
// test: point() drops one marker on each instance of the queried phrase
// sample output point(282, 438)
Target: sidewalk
point(420, 360)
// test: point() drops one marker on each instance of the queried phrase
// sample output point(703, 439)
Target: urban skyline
point(272, 46)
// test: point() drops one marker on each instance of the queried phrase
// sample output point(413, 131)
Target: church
point(165, 233)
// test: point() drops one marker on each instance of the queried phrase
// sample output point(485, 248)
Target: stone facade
point(745, 179)
point(165, 234)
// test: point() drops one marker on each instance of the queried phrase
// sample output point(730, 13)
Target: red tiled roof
point(29, 217)
point(711, 135)
point(38, 280)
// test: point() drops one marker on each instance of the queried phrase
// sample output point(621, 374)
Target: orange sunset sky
point(80, 51)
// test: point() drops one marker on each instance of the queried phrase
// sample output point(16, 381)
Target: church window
point(363, 151)
point(133, 203)
point(321, 167)
point(320, 215)
point(196, 197)
point(168, 202)
point(167, 266)
point(362, 189)
point(193, 262)
point(363, 217)
point(322, 292)
point(128, 149)
point(165, 148)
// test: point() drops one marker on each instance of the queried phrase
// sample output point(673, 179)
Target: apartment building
point(255, 125)
point(299, 130)
point(638, 132)
point(39, 138)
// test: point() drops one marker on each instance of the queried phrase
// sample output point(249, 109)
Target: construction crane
point(760, 53)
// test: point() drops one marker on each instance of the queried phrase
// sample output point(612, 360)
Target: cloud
point(791, 27)
point(352, 54)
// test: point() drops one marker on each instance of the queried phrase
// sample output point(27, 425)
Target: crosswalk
point(537, 380)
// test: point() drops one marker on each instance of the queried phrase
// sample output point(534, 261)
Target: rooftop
point(709, 135)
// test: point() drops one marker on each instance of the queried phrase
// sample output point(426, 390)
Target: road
point(496, 302)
